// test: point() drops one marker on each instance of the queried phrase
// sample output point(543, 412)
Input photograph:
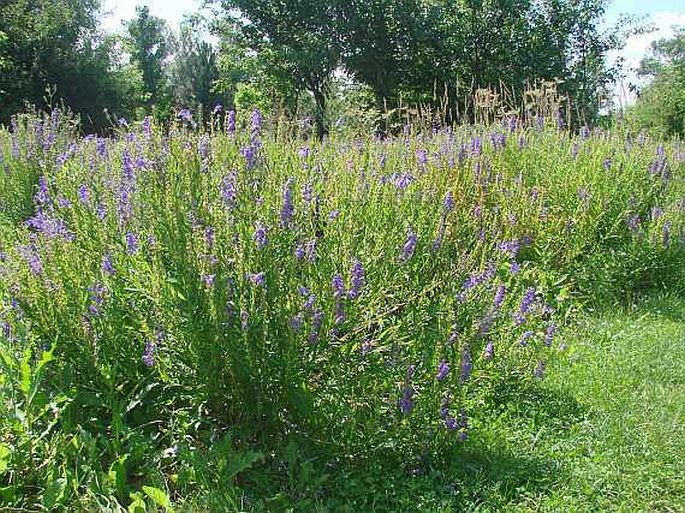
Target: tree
point(193, 70)
point(298, 38)
point(661, 103)
point(148, 46)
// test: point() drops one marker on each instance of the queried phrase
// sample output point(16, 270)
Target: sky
point(663, 14)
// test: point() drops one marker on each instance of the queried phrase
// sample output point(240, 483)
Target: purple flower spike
point(149, 353)
point(407, 401)
point(443, 370)
point(131, 243)
point(489, 352)
point(357, 279)
point(409, 246)
point(523, 341)
point(288, 209)
point(257, 279)
point(107, 265)
point(260, 237)
point(549, 334)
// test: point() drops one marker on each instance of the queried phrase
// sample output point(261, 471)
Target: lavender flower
point(49, 226)
point(255, 124)
point(288, 209)
point(299, 252)
point(524, 307)
point(42, 197)
point(357, 279)
point(310, 249)
point(257, 279)
point(260, 237)
point(539, 370)
point(549, 334)
point(448, 203)
point(338, 285)
point(107, 266)
point(527, 335)
point(83, 194)
point(407, 401)
point(409, 246)
point(230, 123)
point(489, 352)
point(149, 353)
point(443, 370)
point(228, 190)
point(317, 321)
point(97, 293)
point(132, 244)
point(499, 296)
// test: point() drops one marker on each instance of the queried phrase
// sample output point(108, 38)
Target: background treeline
point(340, 61)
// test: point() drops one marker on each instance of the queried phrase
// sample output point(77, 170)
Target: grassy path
point(605, 432)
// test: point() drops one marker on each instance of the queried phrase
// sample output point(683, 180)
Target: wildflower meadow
point(236, 316)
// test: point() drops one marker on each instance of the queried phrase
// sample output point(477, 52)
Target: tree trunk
point(319, 116)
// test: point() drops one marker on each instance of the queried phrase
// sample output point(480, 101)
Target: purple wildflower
point(299, 252)
point(260, 237)
point(409, 246)
point(83, 194)
point(256, 278)
point(407, 401)
point(208, 280)
point(255, 124)
point(288, 209)
point(310, 249)
point(317, 321)
point(357, 279)
point(448, 203)
point(489, 352)
point(539, 370)
point(524, 307)
point(149, 353)
point(42, 197)
point(227, 189)
point(549, 334)
point(338, 285)
point(499, 296)
point(132, 244)
point(443, 370)
point(107, 265)
point(97, 293)
point(230, 122)
point(527, 335)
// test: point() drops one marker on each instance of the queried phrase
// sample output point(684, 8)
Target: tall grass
point(178, 307)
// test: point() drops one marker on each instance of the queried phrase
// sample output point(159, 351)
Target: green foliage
point(660, 106)
point(146, 362)
point(147, 40)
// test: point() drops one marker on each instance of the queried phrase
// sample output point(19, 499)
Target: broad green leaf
point(159, 497)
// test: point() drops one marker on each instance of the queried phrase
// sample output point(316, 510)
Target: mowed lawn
point(605, 431)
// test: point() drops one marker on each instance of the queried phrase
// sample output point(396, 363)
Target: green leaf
point(5, 454)
point(54, 493)
point(159, 497)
